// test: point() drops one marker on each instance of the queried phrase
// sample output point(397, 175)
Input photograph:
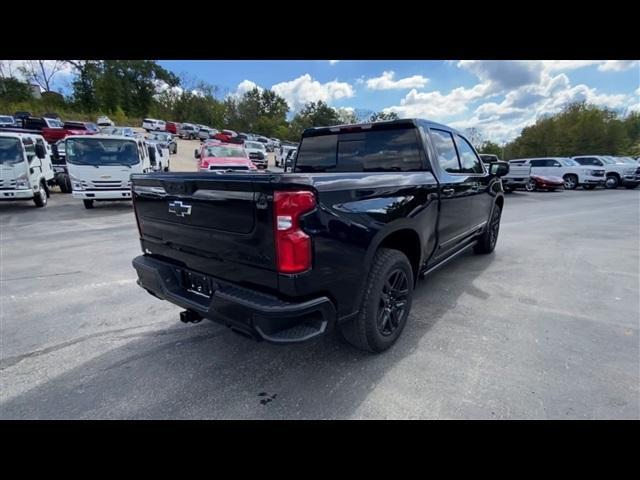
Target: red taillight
point(293, 246)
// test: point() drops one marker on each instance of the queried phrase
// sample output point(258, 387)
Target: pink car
point(223, 156)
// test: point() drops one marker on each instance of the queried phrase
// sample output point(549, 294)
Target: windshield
point(101, 151)
point(163, 137)
point(218, 151)
point(570, 163)
point(10, 151)
point(4, 118)
point(626, 160)
point(254, 145)
point(607, 160)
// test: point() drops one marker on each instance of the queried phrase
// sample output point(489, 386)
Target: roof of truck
point(103, 137)
point(409, 122)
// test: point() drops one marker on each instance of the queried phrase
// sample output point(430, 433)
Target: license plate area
point(198, 284)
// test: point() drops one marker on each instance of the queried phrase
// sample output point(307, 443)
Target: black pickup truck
point(340, 241)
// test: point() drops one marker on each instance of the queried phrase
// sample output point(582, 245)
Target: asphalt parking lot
point(546, 327)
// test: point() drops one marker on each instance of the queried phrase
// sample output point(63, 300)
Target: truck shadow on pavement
point(205, 371)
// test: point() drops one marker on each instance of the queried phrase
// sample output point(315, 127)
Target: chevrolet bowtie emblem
point(179, 209)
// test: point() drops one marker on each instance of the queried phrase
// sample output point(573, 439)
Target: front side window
point(446, 150)
point(468, 159)
point(10, 151)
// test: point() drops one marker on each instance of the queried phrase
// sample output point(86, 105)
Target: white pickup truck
point(570, 171)
point(617, 172)
point(100, 166)
point(518, 175)
point(25, 168)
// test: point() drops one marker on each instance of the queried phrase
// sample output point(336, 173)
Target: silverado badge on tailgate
point(179, 209)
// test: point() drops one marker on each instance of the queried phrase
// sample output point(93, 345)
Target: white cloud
point(500, 75)
point(305, 89)
point(435, 104)
point(333, 62)
point(387, 82)
point(246, 86)
point(565, 65)
point(618, 65)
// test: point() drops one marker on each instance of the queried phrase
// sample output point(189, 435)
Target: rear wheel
point(386, 303)
point(88, 203)
point(612, 182)
point(64, 182)
point(631, 186)
point(487, 241)
point(570, 181)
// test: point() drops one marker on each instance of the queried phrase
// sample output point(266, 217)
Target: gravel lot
point(547, 327)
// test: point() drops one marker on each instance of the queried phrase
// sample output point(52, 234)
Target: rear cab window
point(394, 149)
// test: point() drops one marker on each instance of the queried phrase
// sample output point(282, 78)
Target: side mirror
point(196, 153)
point(499, 169)
point(41, 151)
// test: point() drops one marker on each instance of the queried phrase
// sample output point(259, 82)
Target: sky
point(498, 97)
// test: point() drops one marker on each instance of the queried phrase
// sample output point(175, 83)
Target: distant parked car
point(206, 133)
point(188, 131)
point(165, 140)
point(488, 158)
point(570, 171)
point(218, 156)
point(124, 131)
point(541, 182)
point(257, 153)
point(617, 173)
point(228, 136)
point(172, 127)
point(105, 121)
point(7, 121)
point(284, 151)
point(151, 124)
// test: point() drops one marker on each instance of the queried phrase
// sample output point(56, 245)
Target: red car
point(228, 136)
point(172, 127)
point(223, 156)
point(539, 182)
point(52, 135)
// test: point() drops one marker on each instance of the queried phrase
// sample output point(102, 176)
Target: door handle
point(448, 191)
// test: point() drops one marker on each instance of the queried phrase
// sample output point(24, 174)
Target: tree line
point(579, 129)
point(128, 90)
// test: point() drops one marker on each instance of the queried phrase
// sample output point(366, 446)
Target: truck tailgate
point(220, 225)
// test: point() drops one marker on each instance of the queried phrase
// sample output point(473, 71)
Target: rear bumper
point(259, 315)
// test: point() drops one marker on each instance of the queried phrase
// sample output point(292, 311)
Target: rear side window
point(392, 150)
point(538, 163)
point(468, 159)
point(446, 150)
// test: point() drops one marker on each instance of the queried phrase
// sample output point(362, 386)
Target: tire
point(64, 182)
point(382, 317)
point(488, 240)
point(40, 198)
point(88, 204)
point(531, 186)
point(631, 186)
point(570, 182)
point(611, 182)
point(588, 187)
point(508, 189)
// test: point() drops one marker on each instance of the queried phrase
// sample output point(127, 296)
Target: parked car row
point(586, 171)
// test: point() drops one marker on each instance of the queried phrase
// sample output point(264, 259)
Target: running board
point(429, 270)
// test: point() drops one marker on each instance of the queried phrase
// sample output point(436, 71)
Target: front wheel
point(40, 198)
point(611, 182)
point(487, 241)
point(88, 203)
point(386, 303)
point(531, 186)
point(570, 182)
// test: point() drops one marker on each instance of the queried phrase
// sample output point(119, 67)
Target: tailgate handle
point(153, 191)
point(262, 202)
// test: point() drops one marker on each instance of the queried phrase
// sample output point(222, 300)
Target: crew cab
point(257, 153)
point(25, 168)
point(617, 172)
point(220, 157)
point(570, 171)
point(53, 135)
point(100, 166)
point(339, 242)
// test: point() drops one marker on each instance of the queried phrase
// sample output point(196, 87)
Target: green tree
point(490, 148)
point(314, 114)
point(382, 116)
point(13, 90)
